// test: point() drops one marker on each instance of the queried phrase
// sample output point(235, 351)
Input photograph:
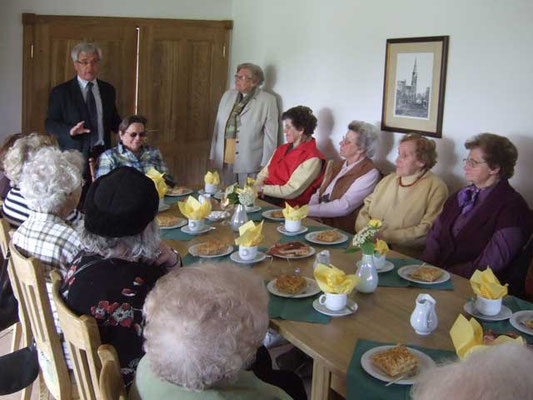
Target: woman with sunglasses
point(131, 151)
point(486, 223)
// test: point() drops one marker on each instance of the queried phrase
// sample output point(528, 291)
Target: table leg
point(321, 381)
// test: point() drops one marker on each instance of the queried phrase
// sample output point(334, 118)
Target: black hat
point(121, 203)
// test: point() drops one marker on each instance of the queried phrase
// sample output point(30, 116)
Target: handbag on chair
point(18, 369)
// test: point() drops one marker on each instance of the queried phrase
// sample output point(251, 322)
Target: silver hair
point(87, 48)
point(367, 138)
point(22, 151)
point(50, 178)
point(502, 372)
point(257, 72)
point(143, 246)
point(204, 324)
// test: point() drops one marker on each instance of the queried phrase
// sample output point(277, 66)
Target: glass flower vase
point(238, 218)
point(367, 274)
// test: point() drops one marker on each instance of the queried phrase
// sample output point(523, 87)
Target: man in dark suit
point(82, 111)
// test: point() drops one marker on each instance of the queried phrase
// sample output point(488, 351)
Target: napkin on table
point(159, 182)
point(467, 337)
point(250, 234)
point(296, 213)
point(193, 209)
point(212, 178)
point(331, 279)
point(485, 284)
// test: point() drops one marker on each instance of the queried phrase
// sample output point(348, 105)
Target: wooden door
point(48, 41)
point(182, 76)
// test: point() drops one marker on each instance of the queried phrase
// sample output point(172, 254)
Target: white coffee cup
point(489, 307)
point(196, 225)
point(210, 188)
point(293, 226)
point(379, 261)
point(333, 301)
point(247, 253)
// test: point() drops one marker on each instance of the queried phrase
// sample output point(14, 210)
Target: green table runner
point(361, 385)
point(392, 279)
point(515, 304)
point(292, 309)
point(178, 234)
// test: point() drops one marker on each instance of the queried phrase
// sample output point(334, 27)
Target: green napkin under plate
point(392, 279)
point(292, 309)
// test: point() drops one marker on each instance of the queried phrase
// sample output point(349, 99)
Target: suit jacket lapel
point(249, 104)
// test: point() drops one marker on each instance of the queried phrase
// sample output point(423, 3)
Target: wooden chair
point(33, 298)
point(83, 339)
point(111, 383)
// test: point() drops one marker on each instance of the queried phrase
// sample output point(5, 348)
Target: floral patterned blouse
point(113, 292)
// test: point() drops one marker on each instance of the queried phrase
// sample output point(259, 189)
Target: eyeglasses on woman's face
point(133, 135)
point(470, 162)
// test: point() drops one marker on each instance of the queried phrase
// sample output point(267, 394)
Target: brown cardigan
point(347, 222)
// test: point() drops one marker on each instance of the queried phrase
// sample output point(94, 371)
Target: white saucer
point(505, 313)
point(258, 258)
point(283, 231)
point(186, 230)
point(389, 266)
point(345, 311)
point(252, 209)
point(518, 317)
point(179, 224)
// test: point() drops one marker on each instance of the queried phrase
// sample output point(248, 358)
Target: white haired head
point(502, 372)
point(204, 324)
point(50, 178)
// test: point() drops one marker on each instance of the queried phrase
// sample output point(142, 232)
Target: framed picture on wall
point(413, 89)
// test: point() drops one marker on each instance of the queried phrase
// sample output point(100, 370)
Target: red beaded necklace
point(411, 184)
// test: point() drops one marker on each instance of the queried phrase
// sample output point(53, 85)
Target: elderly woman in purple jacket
point(486, 223)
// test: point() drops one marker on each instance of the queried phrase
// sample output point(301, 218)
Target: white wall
point(11, 35)
point(330, 56)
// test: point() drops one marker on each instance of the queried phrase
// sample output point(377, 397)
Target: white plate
point(310, 290)
point(216, 216)
point(186, 230)
point(404, 272)
point(218, 195)
point(520, 316)
point(185, 193)
point(389, 266)
point(341, 313)
point(252, 209)
point(424, 362)
point(268, 215)
point(179, 224)
point(163, 207)
point(192, 251)
point(283, 231)
point(312, 251)
point(470, 308)
point(311, 236)
point(258, 258)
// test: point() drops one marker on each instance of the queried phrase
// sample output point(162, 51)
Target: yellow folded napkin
point(250, 181)
point(381, 247)
point(212, 177)
point(330, 279)
point(250, 234)
point(159, 182)
point(485, 284)
point(467, 337)
point(193, 209)
point(296, 213)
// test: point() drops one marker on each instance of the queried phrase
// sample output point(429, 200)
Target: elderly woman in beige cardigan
point(409, 200)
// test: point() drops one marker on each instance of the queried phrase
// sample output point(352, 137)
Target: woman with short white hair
point(204, 324)
point(347, 182)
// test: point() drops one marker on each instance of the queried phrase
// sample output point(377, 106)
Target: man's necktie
point(93, 114)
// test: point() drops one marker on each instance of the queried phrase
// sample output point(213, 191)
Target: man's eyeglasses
point(472, 163)
point(86, 63)
point(242, 78)
point(133, 135)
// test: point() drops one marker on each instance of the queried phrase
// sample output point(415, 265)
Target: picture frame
point(414, 85)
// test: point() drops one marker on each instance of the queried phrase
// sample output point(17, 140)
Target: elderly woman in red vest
point(295, 170)
point(486, 223)
point(347, 182)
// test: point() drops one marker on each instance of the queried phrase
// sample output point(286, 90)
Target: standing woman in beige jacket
point(409, 200)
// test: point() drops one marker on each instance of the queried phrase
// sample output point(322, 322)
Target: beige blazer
point(257, 137)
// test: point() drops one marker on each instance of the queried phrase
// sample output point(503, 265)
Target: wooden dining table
point(381, 316)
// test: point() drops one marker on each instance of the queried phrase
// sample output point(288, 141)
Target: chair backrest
point(33, 297)
point(111, 383)
point(83, 339)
